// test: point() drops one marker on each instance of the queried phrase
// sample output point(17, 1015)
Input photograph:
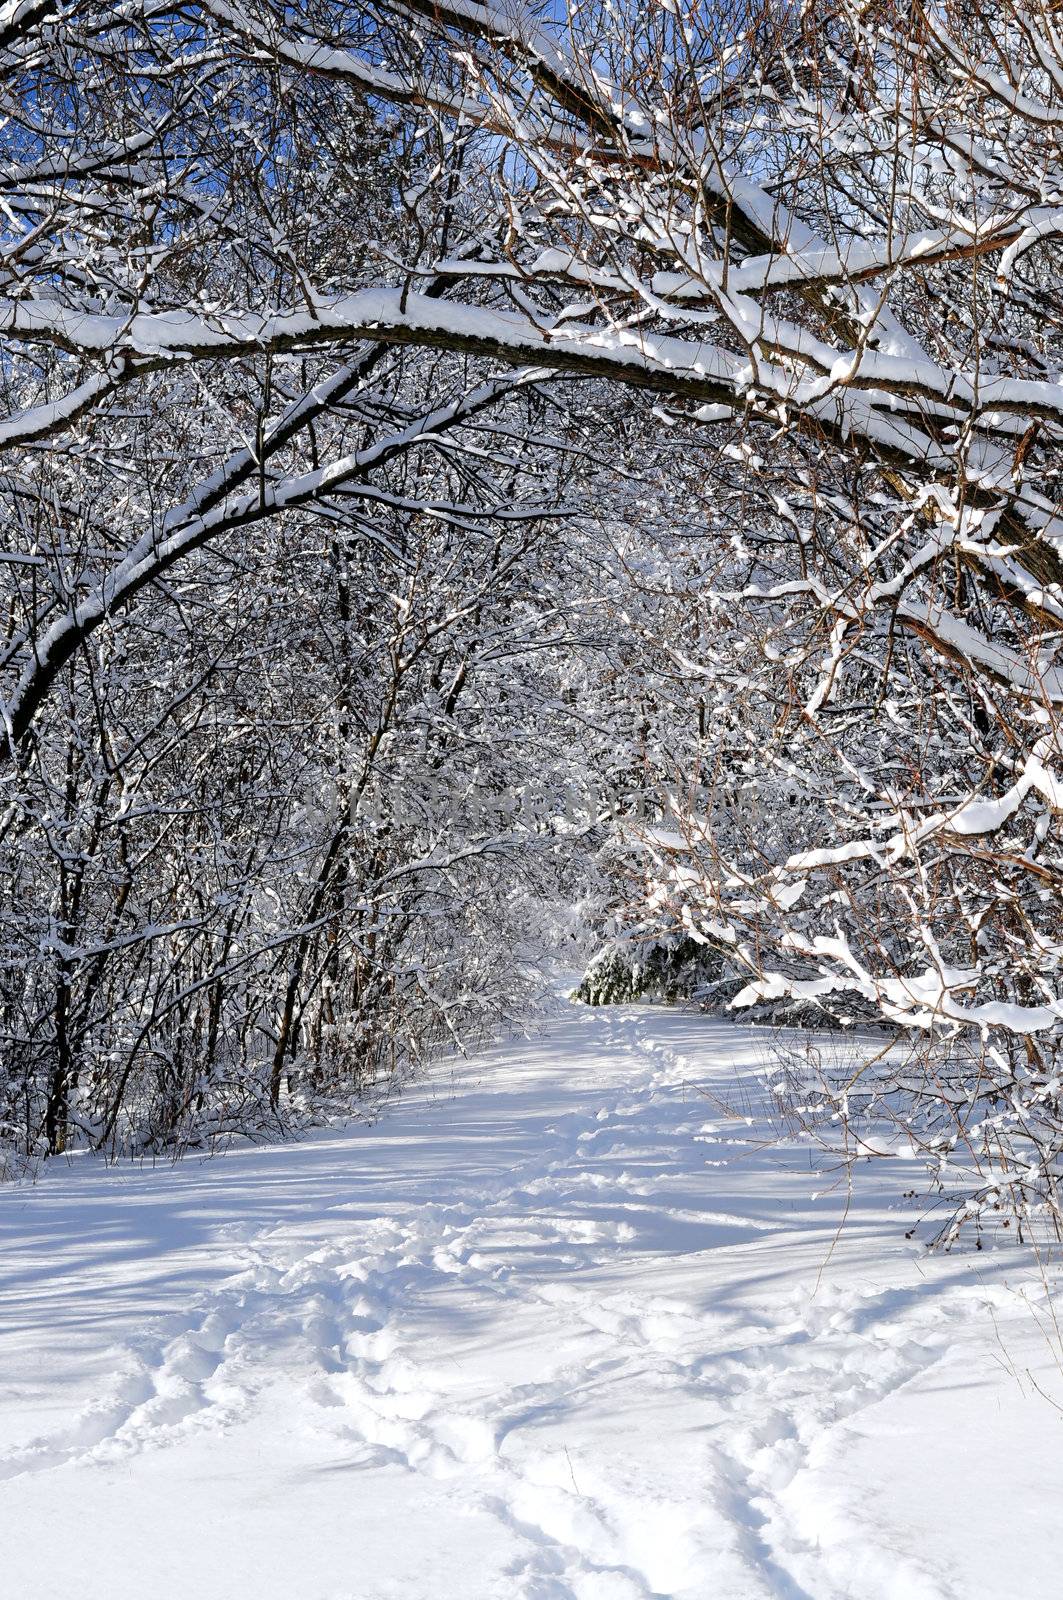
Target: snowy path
point(561, 1325)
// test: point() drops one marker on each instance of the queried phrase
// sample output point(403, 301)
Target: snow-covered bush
point(656, 967)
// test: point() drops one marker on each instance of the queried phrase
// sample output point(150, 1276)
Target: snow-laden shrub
point(666, 967)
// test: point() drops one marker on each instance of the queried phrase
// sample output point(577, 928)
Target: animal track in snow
point(585, 1324)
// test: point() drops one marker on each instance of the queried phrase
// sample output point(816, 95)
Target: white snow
point(567, 1323)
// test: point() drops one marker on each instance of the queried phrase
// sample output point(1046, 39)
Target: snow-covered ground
point(564, 1323)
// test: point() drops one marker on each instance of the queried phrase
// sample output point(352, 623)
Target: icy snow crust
point(566, 1324)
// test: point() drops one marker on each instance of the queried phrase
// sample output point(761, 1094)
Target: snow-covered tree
point(821, 241)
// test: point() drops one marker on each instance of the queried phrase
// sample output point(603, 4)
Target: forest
point(531, 799)
point(483, 481)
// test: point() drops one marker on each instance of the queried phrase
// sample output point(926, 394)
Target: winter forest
point(521, 516)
